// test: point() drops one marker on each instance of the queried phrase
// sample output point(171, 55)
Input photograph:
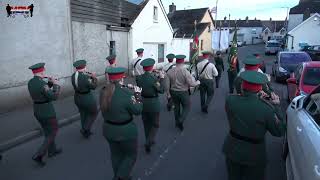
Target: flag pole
point(216, 14)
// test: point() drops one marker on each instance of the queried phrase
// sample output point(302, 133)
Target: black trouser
point(123, 157)
point(218, 78)
point(237, 171)
point(181, 100)
point(231, 77)
point(50, 129)
point(151, 126)
point(206, 92)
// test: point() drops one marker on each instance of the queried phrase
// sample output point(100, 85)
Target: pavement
point(194, 154)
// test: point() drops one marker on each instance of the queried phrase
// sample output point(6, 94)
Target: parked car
point(304, 79)
point(240, 43)
point(286, 63)
point(313, 51)
point(272, 47)
point(302, 140)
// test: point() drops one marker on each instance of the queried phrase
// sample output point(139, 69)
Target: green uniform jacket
point(250, 117)
point(219, 64)
point(85, 84)
point(150, 88)
point(40, 92)
point(121, 109)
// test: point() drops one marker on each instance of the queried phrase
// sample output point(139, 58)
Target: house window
point(201, 45)
point(160, 53)
point(254, 31)
point(282, 32)
point(266, 33)
point(155, 14)
point(112, 47)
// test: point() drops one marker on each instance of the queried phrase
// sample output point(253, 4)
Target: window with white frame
point(155, 14)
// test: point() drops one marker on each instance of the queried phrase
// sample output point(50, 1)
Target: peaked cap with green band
point(80, 63)
point(115, 70)
point(140, 50)
point(170, 56)
point(251, 61)
point(254, 77)
point(148, 62)
point(180, 56)
point(206, 52)
point(37, 66)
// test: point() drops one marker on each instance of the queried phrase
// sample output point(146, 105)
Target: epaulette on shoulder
point(126, 91)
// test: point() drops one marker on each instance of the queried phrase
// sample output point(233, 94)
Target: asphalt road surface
point(194, 154)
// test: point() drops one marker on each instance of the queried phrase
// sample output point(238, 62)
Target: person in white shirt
point(166, 68)
point(137, 69)
point(206, 73)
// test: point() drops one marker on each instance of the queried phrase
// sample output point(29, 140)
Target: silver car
point(272, 47)
point(302, 142)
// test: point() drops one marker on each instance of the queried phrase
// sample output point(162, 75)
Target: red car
point(304, 79)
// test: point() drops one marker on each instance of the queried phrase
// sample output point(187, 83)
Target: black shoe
point(85, 133)
point(180, 126)
point(39, 161)
point(147, 148)
point(55, 153)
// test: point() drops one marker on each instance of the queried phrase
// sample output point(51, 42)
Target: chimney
point(247, 19)
point(306, 14)
point(172, 8)
point(255, 18)
point(270, 19)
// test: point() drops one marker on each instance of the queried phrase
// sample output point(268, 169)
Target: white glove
point(275, 98)
point(161, 74)
point(137, 89)
point(198, 82)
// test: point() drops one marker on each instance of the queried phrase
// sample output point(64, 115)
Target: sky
point(261, 9)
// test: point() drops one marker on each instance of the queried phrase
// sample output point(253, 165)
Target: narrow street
point(194, 154)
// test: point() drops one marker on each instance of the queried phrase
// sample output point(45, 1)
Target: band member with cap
point(220, 67)
point(245, 146)
point(137, 69)
point(233, 64)
point(42, 96)
point(112, 63)
point(166, 67)
point(83, 83)
point(252, 64)
point(206, 73)
point(111, 60)
point(151, 87)
point(180, 82)
point(118, 106)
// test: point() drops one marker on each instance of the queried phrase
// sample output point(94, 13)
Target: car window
point(294, 58)
point(312, 76)
point(313, 107)
point(273, 45)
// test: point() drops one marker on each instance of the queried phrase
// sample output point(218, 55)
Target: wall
point(312, 37)
point(206, 36)
point(45, 37)
point(265, 36)
point(91, 42)
point(145, 30)
point(182, 46)
point(247, 31)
